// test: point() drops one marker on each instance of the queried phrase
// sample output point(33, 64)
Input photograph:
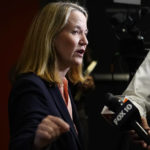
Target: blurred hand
point(136, 139)
point(48, 130)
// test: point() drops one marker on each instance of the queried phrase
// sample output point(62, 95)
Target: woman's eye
point(75, 32)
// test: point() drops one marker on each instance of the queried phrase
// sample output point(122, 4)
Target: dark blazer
point(31, 99)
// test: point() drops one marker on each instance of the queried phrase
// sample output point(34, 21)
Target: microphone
point(126, 116)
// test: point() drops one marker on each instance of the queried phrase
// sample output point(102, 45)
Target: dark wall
point(109, 43)
point(101, 40)
point(15, 18)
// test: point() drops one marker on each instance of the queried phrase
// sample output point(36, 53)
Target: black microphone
point(126, 116)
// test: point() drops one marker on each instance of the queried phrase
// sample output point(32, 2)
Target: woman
point(39, 116)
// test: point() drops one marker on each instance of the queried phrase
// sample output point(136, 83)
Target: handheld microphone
point(126, 116)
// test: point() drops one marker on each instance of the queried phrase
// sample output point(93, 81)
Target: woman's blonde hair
point(38, 55)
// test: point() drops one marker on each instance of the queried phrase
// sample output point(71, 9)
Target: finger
point(44, 134)
point(47, 130)
point(48, 133)
point(131, 132)
point(51, 127)
point(148, 148)
point(145, 123)
point(141, 142)
point(64, 126)
point(148, 131)
point(42, 138)
point(133, 135)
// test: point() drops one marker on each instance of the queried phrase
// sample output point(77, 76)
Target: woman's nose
point(84, 40)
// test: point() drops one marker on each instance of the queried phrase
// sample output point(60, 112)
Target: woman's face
point(71, 42)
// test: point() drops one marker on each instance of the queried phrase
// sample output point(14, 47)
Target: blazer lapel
point(63, 109)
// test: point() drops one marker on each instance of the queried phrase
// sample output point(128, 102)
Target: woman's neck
point(63, 73)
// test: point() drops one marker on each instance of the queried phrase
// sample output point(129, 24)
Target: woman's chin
point(78, 61)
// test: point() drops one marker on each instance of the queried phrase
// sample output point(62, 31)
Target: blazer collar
point(63, 110)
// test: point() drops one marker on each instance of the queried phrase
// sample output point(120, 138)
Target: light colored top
point(138, 90)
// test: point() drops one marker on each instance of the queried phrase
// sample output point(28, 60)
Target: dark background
point(117, 53)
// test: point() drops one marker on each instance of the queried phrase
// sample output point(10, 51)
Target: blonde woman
point(42, 114)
